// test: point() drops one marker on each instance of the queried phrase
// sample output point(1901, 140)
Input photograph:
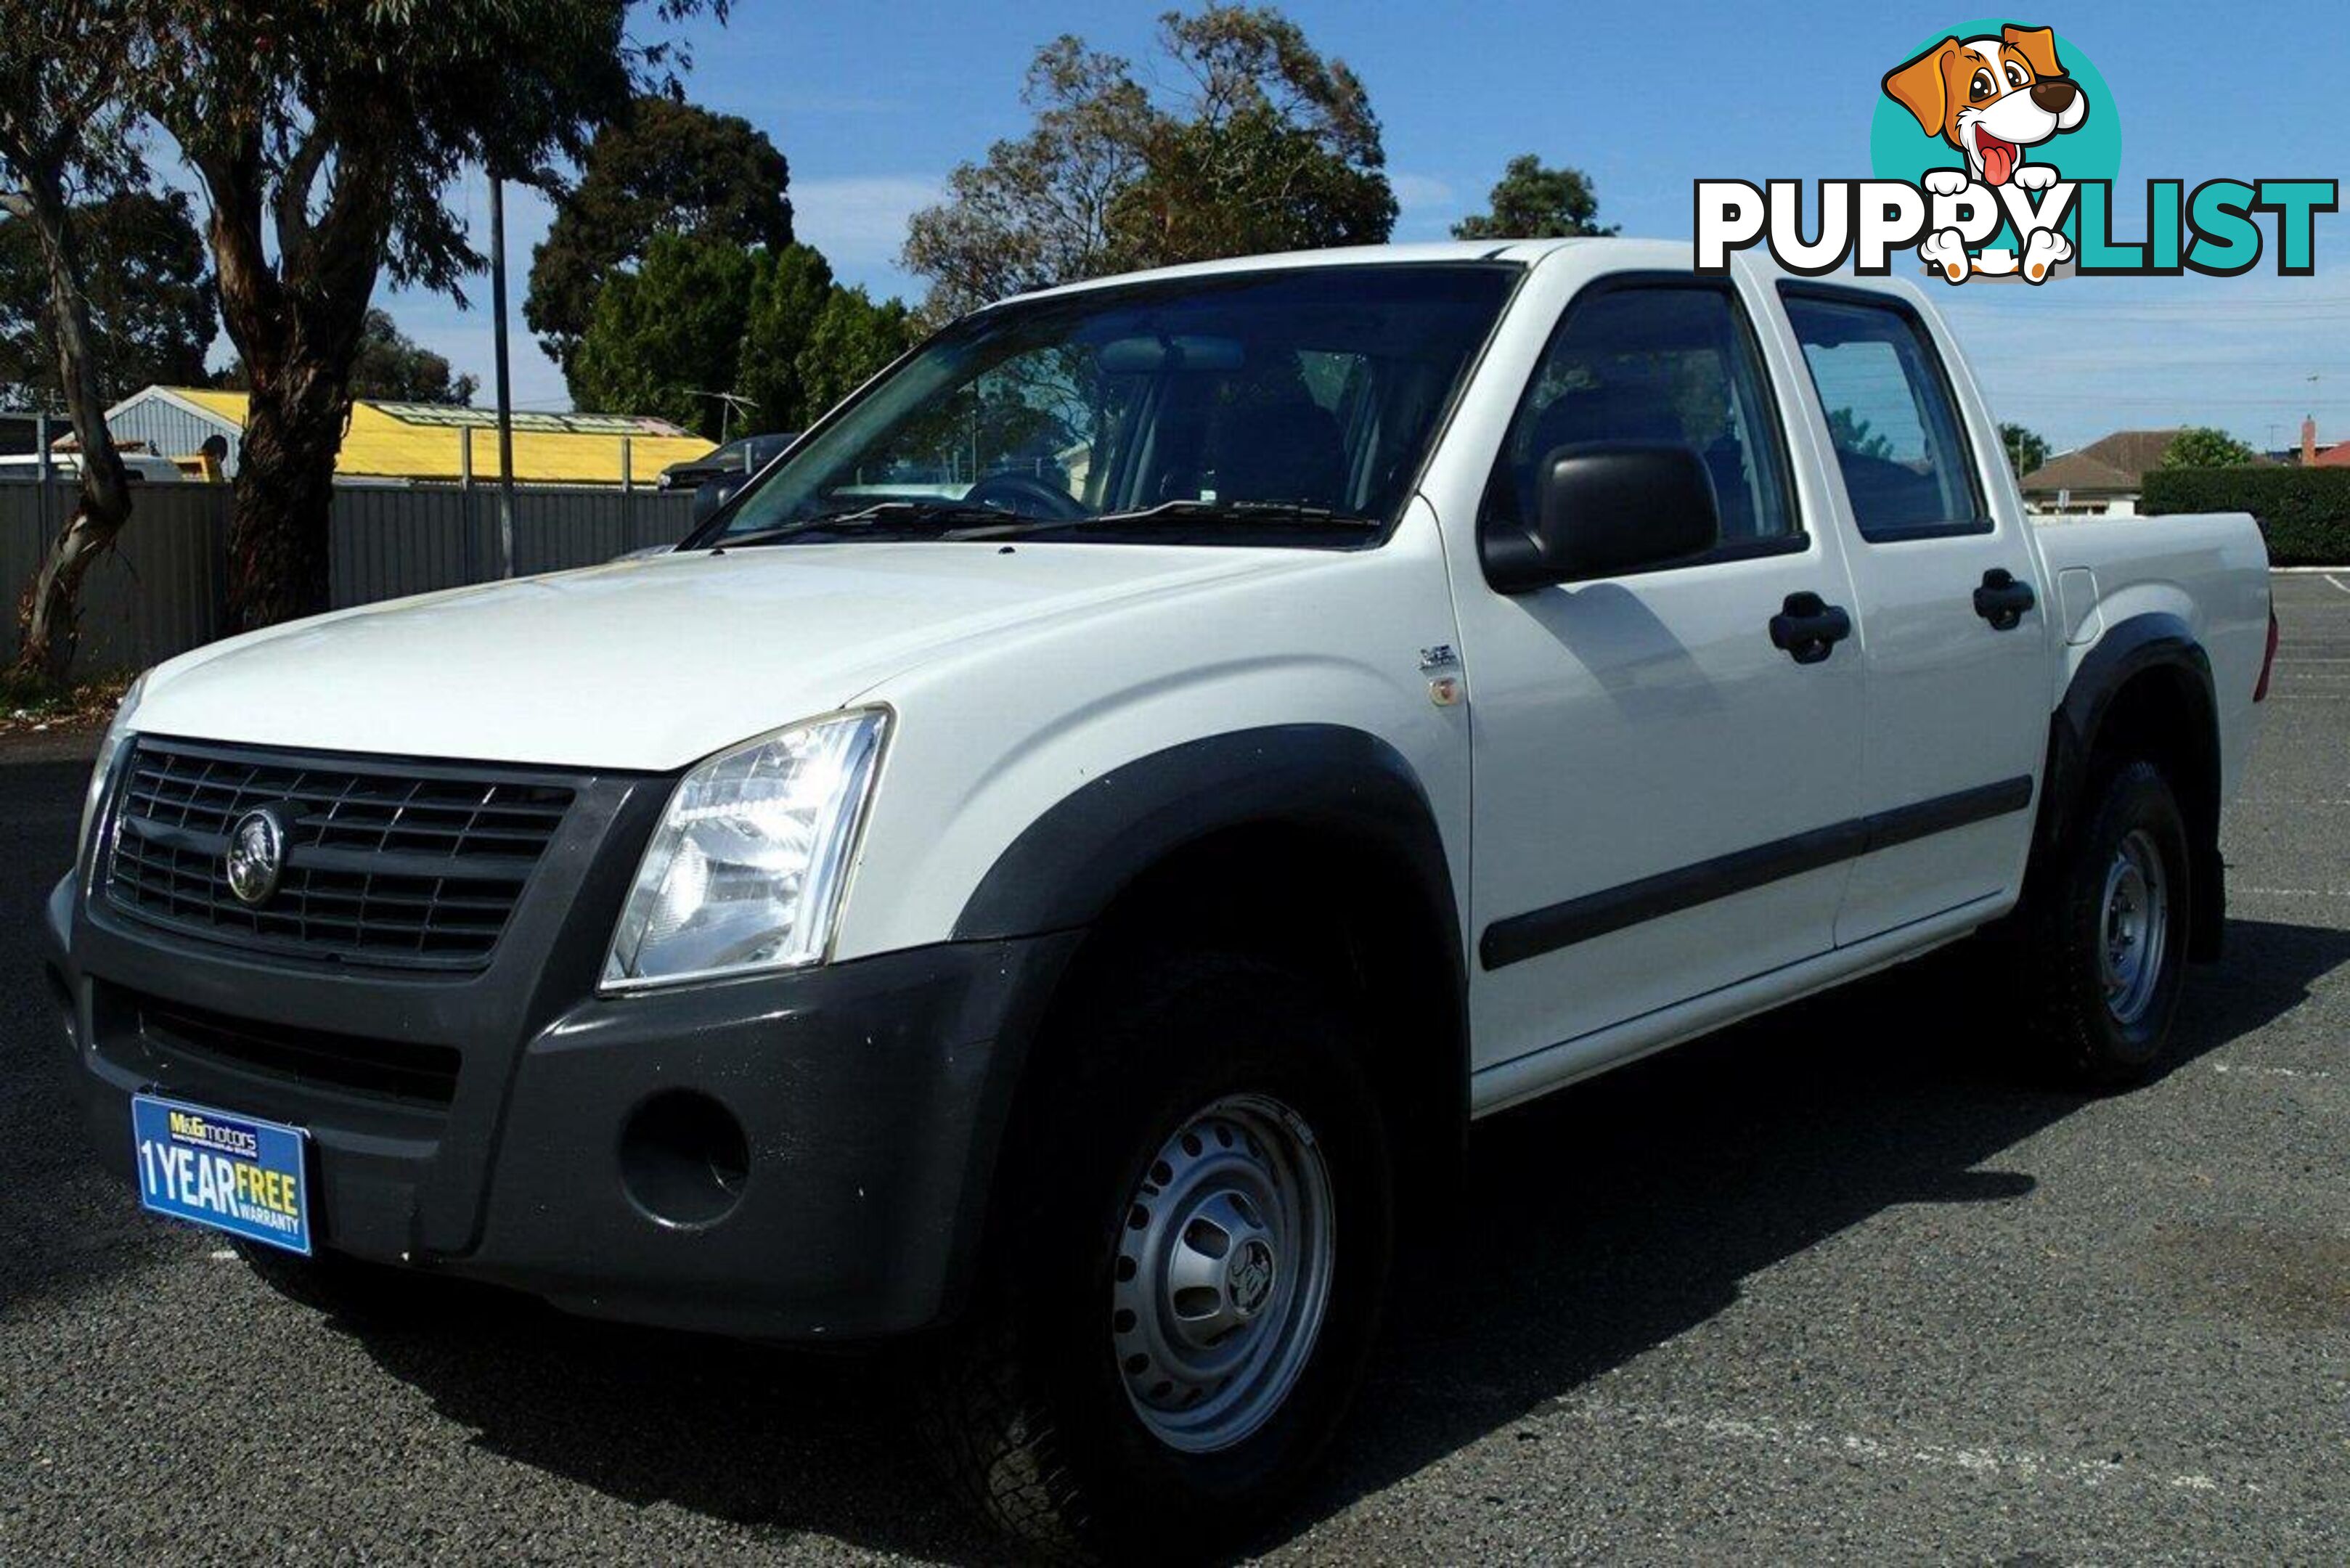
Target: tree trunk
point(48, 615)
point(296, 320)
point(278, 541)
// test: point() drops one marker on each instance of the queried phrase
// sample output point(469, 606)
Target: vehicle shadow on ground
point(1610, 1218)
point(1595, 1226)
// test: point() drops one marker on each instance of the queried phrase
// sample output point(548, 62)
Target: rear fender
point(2153, 641)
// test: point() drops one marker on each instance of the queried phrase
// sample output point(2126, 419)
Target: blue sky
point(874, 103)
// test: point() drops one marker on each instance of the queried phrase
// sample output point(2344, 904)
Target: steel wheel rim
point(1223, 1274)
point(2134, 929)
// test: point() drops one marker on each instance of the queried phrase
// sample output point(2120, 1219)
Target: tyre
point(1185, 1272)
point(2105, 940)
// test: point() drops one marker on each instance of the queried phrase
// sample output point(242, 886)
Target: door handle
point(1808, 628)
point(2002, 600)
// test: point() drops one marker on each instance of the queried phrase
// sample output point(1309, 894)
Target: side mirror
point(716, 492)
point(1607, 508)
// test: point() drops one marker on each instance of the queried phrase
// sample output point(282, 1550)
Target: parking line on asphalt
point(2230, 1069)
point(1994, 1460)
point(2337, 582)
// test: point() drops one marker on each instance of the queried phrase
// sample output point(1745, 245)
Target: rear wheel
point(2105, 940)
point(1186, 1274)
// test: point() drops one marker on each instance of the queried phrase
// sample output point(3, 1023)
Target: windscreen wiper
point(1190, 511)
point(946, 514)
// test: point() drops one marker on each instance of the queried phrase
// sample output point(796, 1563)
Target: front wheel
point(1187, 1272)
point(2106, 938)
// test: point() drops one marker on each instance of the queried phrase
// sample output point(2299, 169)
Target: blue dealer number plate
point(233, 1173)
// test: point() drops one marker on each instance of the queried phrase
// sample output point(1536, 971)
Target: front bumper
point(867, 1100)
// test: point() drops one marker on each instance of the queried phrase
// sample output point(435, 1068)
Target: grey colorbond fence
point(162, 591)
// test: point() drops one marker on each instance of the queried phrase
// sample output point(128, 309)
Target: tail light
point(2268, 659)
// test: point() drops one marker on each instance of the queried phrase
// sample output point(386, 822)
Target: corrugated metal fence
point(162, 591)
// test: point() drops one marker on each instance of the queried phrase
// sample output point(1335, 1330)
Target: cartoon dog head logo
point(1991, 97)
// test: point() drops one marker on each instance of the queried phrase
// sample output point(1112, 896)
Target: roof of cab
point(1520, 251)
point(1638, 253)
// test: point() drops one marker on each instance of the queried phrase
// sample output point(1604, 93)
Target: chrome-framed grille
point(390, 862)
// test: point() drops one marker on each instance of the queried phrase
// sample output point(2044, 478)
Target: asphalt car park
point(1838, 1284)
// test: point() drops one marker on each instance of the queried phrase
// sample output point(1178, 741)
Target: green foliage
point(1534, 201)
point(788, 299)
point(1852, 433)
point(2304, 512)
point(665, 336)
point(668, 168)
point(394, 367)
point(703, 315)
point(851, 340)
point(150, 293)
point(1266, 146)
point(2026, 448)
point(2200, 446)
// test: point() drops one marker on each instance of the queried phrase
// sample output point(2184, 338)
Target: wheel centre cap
point(1249, 1277)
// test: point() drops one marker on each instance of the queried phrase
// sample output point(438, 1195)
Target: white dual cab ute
point(1060, 859)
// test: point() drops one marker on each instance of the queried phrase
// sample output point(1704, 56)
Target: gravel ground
point(1831, 1286)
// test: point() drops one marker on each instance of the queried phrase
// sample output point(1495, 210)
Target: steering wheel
point(1007, 490)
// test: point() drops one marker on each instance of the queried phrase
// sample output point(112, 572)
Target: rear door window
point(1892, 417)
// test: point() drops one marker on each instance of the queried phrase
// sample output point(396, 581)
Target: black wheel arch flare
point(2154, 641)
point(1334, 782)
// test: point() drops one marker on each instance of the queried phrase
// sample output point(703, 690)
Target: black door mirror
point(1607, 508)
point(716, 492)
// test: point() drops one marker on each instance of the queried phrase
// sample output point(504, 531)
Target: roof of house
point(425, 441)
point(2334, 456)
point(2136, 452)
point(2078, 471)
point(2117, 461)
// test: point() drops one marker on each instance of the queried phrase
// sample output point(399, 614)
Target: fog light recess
point(684, 1159)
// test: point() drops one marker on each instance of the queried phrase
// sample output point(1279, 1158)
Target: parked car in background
point(144, 467)
point(740, 458)
point(1085, 911)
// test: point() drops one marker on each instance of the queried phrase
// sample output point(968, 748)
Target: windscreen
point(1271, 402)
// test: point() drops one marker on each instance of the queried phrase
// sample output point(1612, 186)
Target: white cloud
point(859, 221)
point(1420, 190)
point(1425, 205)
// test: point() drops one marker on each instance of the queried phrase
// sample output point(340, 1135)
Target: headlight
point(747, 870)
point(110, 751)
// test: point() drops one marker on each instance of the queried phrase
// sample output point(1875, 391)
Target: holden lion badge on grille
point(256, 855)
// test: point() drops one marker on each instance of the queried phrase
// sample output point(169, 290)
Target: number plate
point(237, 1174)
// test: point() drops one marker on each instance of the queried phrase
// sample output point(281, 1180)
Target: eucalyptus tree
point(70, 71)
point(331, 142)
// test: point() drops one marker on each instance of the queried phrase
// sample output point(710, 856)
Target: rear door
point(1661, 793)
point(1955, 723)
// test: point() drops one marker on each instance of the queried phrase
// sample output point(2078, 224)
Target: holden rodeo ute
point(1061, 858)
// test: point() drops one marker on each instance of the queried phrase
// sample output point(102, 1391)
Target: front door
point(1661, 794)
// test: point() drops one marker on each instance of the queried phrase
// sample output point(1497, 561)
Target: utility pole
point(504, 379)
